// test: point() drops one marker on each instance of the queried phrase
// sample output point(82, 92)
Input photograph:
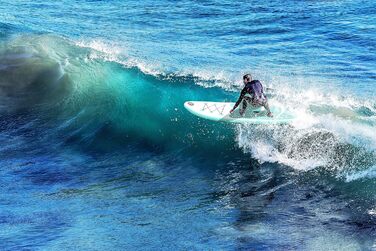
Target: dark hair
point(248, 77)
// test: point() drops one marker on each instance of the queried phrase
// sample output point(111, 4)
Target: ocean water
point(98, 153)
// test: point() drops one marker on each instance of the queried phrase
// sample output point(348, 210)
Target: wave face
point(98, 152)
point(91, 92)
point(87, 94)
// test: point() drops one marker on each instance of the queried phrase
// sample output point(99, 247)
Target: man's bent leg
point(266, 106)
point(244, 107)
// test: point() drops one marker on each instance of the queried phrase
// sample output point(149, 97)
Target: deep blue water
point(98, 153)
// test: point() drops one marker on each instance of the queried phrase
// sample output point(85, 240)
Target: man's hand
point(232, 110)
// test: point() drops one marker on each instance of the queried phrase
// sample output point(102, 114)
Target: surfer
point(252, 93)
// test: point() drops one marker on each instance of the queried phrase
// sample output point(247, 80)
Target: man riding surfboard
point(253, 94)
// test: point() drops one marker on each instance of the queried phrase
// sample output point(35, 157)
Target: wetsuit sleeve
point(242, 94)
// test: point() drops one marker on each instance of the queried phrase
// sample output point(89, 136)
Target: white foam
point(369, 173)
point(317, 115)
point(111, 52)
point(105, 47)
point(352, 132)
point(206, 78)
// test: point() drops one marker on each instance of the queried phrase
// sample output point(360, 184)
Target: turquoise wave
point(95, 102)
point(90, 98)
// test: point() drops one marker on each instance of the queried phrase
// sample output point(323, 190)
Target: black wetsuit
point(256, 96)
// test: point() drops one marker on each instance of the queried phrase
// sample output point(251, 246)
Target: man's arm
point(242, 94)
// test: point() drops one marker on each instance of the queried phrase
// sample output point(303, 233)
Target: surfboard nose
point(188, 104)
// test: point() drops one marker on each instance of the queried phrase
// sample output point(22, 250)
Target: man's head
point(247, 78)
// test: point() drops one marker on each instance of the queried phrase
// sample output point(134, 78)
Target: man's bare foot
point(270, 114)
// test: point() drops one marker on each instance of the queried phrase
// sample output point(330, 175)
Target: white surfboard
point(220, 111)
